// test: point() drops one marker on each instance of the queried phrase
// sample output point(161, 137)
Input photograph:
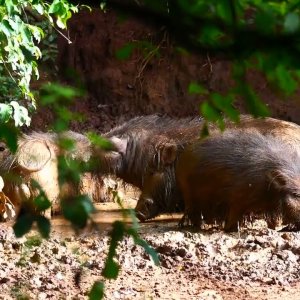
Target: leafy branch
point(19, 51)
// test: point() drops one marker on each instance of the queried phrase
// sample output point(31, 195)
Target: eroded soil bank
point(154, 79)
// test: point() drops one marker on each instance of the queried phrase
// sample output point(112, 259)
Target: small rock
point(55, 250)
point(35, 258)
point(286, 236)
point(181, 252)
point(261, 241)
point(59, 276)
point(117, 295)
point(35, 281)
point(4, 280)
point(268, 280)
point(42, 296)
point(287, 255)
point(210, 295)
point(278, 243)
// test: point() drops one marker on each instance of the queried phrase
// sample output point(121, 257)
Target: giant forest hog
point(143, 144)
point(36, 160)
point(157, 183)
point(228, 176)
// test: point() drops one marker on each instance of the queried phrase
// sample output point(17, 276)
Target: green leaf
point(69, 170)
point(54, 7)
point(23, 225)
point(111, 269)
point(63, 18)
point(44, 226)
point(144, 244)
point(195, 88)
point(291, 22)
point(87, 204)
point(125, 52)
point(209, 112)
point(10, 135)
point(5, 112)
point(20, 114)
point(97, 291)
point(77, 210)
point(39, 8)
point(60, 125)
point(224, 103)
point(6, 28)
point(285, 79)
point(224, 11)
point(9, 6)
point(211, 35)
point(15, 23)
point(66, 144)
point(118, 231)
point(254, 104)
point(42, 202)
point(28, 53)
point(37, 32)
point(204, 131)
point(134, 220)
point(265, 21)
point(97, 140)
point(56, 93)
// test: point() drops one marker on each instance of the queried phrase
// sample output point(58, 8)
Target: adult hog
point(143, 144)
point(156, 183)
point(226, 177)
point(36, 160)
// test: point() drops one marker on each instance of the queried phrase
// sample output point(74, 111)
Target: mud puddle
point(108, 213)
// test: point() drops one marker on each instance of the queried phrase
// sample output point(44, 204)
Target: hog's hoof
point(231, 227)
point(291, 227)
point(184, 221)
point(142, 218)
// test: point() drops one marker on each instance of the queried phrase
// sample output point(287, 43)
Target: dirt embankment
point(151, 80)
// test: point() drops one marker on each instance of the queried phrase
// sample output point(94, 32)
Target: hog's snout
point(291, 208)
point(143, 209)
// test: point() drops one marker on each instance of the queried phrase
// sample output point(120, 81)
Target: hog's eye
point(296, 195)
point(151, 172)
point(2, 148)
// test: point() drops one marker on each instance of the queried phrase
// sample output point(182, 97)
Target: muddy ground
point(257, 263)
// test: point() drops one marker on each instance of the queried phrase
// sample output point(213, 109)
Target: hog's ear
point(32, 156)
point(168, 153)
point(120, 144)
point(277, 179)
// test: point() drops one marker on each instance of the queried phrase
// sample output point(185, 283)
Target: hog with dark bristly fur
point(158, 182)
point(144, 144)
point(226, 177)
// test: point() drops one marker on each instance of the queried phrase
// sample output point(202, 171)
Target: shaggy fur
point(226, 177)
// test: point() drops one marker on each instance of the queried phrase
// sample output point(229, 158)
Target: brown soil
point(257, 264)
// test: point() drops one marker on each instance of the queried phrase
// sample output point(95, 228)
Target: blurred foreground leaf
point(44, 226)
point(97, 291)
point(23, 225)
point(77, 210)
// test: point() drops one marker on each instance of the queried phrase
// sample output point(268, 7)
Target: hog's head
point(159, 192)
